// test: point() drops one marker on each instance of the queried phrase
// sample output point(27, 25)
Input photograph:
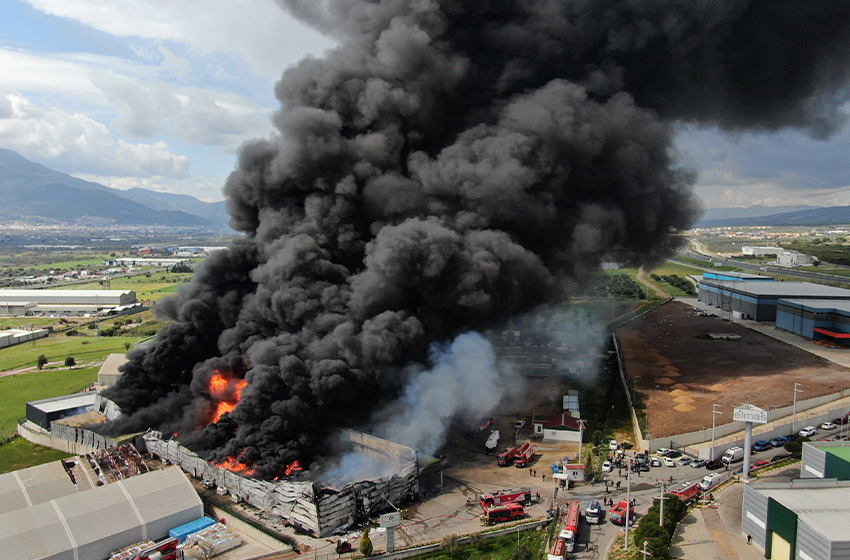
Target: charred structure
point(450, 164)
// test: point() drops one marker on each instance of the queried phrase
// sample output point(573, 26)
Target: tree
point(597, 438)
point(42, 361)
point(522, 552)
point(127, 346)
point(478, 541)
point(70, 361)
point(366, 543)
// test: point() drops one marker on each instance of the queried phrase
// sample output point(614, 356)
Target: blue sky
point(161, 94)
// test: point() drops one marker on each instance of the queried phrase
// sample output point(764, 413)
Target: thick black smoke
point(453, 163)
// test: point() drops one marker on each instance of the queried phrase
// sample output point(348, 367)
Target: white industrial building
point(19, 336)
point(20, 303)
point(758, 251)
point(792, 258)
point(146, 262)
point(43, 515)
point(108, 374)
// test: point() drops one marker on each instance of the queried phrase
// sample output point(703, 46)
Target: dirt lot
point(681, 369)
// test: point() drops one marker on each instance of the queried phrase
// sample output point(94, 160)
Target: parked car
point(761, 445)
point(808, 431)
point(779, 441)
point(662, 452)
point(606, 466)
point(669, 462)
point(626, 445)
point(655, 461)
point(698, 463)
point(793, 437)
point(840, 437)
point(714, 465)
point(759, 464)
point(612, 445)
point(828, 426)
point(674, 454)
point(779, 457)
point(643, 467)
point(519, 424)
point(733, 455)
point(709, 481)
point(841, 420)
point(684, 461)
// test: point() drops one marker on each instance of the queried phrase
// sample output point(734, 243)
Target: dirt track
point(681, 371)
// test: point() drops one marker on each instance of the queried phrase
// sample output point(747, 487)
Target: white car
point(808, 431)
point(519, 424)
point(828, 426)
point(668, 462)
point(655, 461)
point(612, 445)
point(606, 466)
point(684, 461)
point(662, 452)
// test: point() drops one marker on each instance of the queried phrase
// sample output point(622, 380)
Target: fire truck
point(508, 496)
point(483, 427)
point(618, 513)
point(686, 491)
point(569, 534)
point(506, 457)
point(559, 550)
point(503, 513)
point(524, 455)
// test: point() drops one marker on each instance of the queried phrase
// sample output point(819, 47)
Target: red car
point(759, 464)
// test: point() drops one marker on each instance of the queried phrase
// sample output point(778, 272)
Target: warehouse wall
point(811, 545)
point(754, 516)
point(813, 464)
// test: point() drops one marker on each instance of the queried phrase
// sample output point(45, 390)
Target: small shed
point(45, 411)
point(561, 427)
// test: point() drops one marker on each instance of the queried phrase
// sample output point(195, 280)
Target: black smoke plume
point(450, 164)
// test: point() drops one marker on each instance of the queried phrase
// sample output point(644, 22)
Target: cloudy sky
point(161, 94)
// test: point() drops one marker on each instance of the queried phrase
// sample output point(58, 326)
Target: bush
point(478, 541)
point(366, 547)
point(41, 361)
point(522, 552)
point(598, 438)
point(450, 545)
point(70, 361)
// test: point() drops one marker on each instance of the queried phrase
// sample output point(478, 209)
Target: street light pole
point(714, 413)
point(628, 501)
point(581, 424)
point(661, 514)
point(794, 417)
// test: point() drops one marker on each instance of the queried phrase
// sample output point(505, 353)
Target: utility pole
point(581, 425)
point(628, 501)
point(661, 513)
point(794, 417)
point(714, 413)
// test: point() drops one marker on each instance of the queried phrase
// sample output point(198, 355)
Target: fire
point(293, 467)
point(234, 464)
point(227, 391)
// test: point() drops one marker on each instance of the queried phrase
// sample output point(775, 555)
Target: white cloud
point(256, 31)
point(194, 115)
point(75, 142)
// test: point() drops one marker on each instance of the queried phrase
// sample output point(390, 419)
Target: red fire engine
point(569, 534)
point(686, 491)
point(503, 513)
point(511, 495)
point(524, 455)
point(506, 457)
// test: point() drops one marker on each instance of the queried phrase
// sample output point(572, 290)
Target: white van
point(709, 481)
point(733, 455)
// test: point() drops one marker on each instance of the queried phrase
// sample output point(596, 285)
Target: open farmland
point(681, 371)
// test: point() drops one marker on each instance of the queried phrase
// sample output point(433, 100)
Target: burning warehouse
point(317, 508)
point(451, 164)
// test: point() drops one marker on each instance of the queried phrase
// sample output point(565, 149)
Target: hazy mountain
point(35, 192)
point(713, 214)
point(812, 217)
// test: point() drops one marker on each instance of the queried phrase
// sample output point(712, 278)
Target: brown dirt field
point(672, 342)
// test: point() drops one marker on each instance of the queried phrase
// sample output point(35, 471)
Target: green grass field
point(159, 285)
point(18, 453)
point(20, 388)
point(58, 347)
point(668, 269)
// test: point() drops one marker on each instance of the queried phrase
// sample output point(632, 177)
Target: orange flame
point(234, 464)
point(227, 391)
point(293, 467)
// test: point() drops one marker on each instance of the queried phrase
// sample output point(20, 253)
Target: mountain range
point(30, 191)
point(775, 216)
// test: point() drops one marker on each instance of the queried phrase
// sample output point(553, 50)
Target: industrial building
point(793, 259)
point(815, 319)
point(19, 336)
point(108, 373)
point(45, 411)
point(20, 303)
point(45, 516)
point(804, 519)
point(826, 460)
point(757, 299)
point(758, 251)
point(126, 262)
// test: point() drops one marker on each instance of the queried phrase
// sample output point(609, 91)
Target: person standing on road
point(749, 538)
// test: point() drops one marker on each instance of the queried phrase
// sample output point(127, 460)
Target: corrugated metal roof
point(842, 305)
point(786, 290)
point(819, 508)
point(65, 402)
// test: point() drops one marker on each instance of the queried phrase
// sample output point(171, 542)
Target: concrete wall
point(561, 435)
point(34, 434)
point(767, 431)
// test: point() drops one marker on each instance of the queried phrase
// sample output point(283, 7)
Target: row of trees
point(656, 535)
point(42, 361)
point(676, 281)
